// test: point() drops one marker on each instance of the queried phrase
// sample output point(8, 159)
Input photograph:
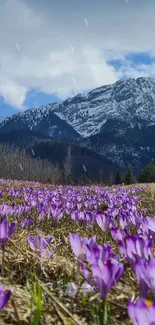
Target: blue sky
point(52, 54)
point(136, 59)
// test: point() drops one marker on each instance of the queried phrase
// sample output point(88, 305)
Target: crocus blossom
point(133, 247)
point(39, 245)
point(103, 221)
point(145, 272)
point(71, 289)
point(26, 223)
point(106, 276)
point(4, 296)
point(142, 312)
point(6, 231)
point(78, 245)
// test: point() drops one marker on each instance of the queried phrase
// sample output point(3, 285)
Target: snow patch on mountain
point(127, 100)
point(130, 100)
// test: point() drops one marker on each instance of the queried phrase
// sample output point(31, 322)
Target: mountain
point(127, 146)
point(116, 121)
point(86, 163)
point(130, 100)
point(40, 120)
point(2, 118)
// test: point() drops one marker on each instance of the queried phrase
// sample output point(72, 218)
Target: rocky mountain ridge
point(116, 121)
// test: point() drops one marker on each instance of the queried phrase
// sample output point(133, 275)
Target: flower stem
point(103, 312)
point(105, 237)
point(105, 319)
point(3, 260)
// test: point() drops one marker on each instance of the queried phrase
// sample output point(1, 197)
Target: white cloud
point(141, 70)
point(13, 93)
point(49, 49)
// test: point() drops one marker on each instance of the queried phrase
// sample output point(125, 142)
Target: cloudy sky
point(52, 49)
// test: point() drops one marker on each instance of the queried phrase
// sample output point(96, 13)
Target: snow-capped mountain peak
point(132, 100)
point(128, 99)
point(116, 121)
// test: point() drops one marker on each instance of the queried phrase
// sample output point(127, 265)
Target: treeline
point(147, 175)
point(17, 164)
point(125, 178)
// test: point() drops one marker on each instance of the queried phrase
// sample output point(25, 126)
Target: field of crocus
point(77, 255)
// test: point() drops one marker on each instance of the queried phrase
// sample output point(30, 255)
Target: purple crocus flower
point(106, 276)
point(96, 253)
point(57, 212)
point(143, 229)
point(140, 270)
point(6, 231)
point(86, 274)
point(124, 220)
point(93, 253)
point(151, 223)
point(39, 245)
point(116, 234)
point(149, 226)
point(142, 312)
point(26, 223)
point(71, 289)
point(78, 246)
point(133, 247)
point(145, 272)
point(103, 221)
point(4, 296)
point(86, 289)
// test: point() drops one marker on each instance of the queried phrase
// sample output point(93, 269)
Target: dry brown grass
point(21, 263)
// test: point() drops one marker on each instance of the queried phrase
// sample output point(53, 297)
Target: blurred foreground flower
point(86, 288)
point(72, 289)
point(6, 231)
point(4, 296)
point(142, 312)
point(145, 272)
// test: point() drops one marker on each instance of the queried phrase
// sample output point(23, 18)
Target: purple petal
point(86, 288)
point(12, 229)
point(31, 242)
point(138, 312)
point(78, 245)
point(71, 289)
point(46, 241)
point(4, 298)
point(3, 230)
point(103, 221)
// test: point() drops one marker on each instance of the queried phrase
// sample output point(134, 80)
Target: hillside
point(116, 121)
point(86, 163)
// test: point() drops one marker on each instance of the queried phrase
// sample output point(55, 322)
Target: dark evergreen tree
point(129, 177)
point(118, 178)
point(147, 175)
point(110, 179)
point(101, 175)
